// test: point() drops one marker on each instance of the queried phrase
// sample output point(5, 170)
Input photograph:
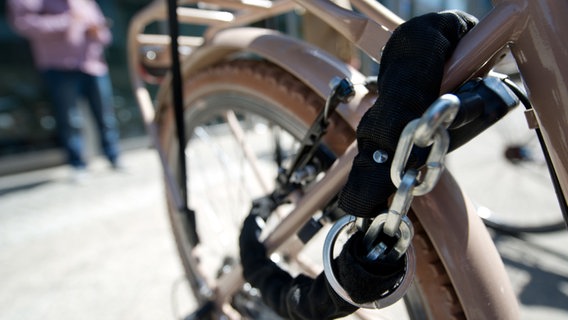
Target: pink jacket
point(64, 34)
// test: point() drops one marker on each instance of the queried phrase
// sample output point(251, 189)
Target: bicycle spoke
point(210, 181)
point(239, 135)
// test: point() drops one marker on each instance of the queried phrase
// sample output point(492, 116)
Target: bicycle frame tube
point(541, 52)
point(533, 30)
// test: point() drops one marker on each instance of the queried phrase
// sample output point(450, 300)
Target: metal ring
point(434, 163)
point(385, 301)
point(404, 232)
point(440, 114)
point(402, 152)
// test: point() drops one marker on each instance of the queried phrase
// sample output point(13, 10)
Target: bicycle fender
point(315, 67)
point(470, 256)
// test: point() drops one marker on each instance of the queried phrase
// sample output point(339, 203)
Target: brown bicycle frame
point(531, 29)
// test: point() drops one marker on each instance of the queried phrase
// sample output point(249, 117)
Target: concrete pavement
point(98, 250)
point(103, 249)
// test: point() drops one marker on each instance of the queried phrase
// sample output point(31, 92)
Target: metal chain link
point(428, 131)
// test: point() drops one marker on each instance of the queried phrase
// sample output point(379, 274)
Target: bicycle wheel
point(504, 171)
point(244, 120)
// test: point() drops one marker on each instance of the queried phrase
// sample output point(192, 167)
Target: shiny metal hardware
point(429, 130)
point(400, 204)
point(404, 235)
point(434, 162)
point(305, 173)
point(348, 223)
point(380, 156)
point(440, 114)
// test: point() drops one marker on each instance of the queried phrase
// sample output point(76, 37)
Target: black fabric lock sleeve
point(409, 80)
point(292, 298)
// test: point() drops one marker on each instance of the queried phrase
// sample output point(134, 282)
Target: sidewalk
point(103, 249)
point(100, 250)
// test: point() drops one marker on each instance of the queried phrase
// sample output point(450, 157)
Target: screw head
point(380, 156)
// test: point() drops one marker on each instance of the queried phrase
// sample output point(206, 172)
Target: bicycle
point(231, 96)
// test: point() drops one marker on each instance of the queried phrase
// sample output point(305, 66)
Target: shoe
point(118, 166)
point(79, 176)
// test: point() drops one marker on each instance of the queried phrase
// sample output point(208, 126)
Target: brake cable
point(554, 177)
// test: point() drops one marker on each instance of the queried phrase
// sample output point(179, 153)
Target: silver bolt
point(380, 156)
point(334, 82)
point(306, 173)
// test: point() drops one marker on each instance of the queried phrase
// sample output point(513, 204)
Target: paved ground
point(103, 250)
point(99, 250)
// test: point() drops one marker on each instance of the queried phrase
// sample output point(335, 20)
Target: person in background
point(68, 38)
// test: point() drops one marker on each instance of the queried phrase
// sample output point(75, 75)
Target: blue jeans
point(65, 87)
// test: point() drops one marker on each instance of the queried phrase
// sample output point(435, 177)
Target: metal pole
point(177, 85)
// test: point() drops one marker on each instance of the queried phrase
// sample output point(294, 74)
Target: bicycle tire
point(268, 92)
